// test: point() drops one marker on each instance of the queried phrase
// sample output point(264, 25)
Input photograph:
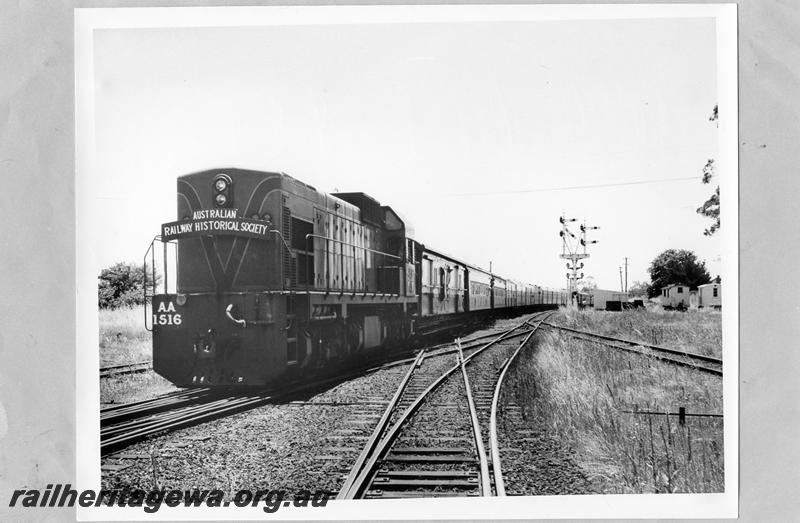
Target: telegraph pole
point(570, 250)
point(621, 288)
point(626, 274)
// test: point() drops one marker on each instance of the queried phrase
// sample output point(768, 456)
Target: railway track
point(130, 425)
point(700, 362)
point(432, 440)
point(125, 424)
point(143, 366)
point(140, 409)
point(130, 368)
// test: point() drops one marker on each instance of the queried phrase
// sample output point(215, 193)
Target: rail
point(494, 444)
point(361, 476)
point(486, 484)
point(125, 424)
point(128, 368)
point(617, 343)
point(369, 447)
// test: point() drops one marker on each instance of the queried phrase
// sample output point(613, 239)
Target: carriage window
point(680, 290)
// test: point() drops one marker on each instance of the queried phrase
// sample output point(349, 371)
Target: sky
point(480, 134)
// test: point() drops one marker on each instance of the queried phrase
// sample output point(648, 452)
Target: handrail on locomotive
point(153, 284)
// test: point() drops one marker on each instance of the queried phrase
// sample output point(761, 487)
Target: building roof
point(707, 284)
point(674, 285)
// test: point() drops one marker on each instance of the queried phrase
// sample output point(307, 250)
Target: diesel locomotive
point(263, 278)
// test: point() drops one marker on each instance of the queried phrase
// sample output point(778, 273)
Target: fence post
point(682, 415)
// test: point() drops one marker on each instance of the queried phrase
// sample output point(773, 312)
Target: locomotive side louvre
point(352, 299)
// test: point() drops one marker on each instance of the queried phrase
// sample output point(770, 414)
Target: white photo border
point(723, 505)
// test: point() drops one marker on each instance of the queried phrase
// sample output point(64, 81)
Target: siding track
point(429, 441)
point(700, 362)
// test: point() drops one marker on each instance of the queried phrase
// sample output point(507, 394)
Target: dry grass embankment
point(123, 340)
point(578, 390)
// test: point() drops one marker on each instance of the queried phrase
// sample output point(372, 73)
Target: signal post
point(574, 251)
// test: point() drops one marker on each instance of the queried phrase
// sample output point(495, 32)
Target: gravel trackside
point(299, 445)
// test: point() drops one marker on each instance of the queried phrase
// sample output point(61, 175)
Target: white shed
point(600, 297)
point(710, 295)
point(675, 296)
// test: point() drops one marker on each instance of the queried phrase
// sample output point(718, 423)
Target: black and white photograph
point(407, 262)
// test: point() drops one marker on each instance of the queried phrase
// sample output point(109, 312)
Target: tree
point(710, 208)
point(638, 288)
point(676, 266)
point(586, 284)
point(121, 285)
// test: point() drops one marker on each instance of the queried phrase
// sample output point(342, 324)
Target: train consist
point(264, 278)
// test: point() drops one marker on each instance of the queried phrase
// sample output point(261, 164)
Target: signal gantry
point(573, 248)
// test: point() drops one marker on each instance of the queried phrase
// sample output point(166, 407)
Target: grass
point(579, 391)
point(697, 331)
point(123, 340)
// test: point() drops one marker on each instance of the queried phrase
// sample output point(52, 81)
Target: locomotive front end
point(214, 304)
point(263, 279)
point(230, 340)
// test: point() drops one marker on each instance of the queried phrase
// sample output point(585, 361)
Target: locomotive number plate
point(166, 315)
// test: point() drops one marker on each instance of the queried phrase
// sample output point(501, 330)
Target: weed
point(579, 390)
point(123, 339)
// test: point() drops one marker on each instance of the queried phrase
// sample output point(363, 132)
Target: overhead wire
point(577, 187)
